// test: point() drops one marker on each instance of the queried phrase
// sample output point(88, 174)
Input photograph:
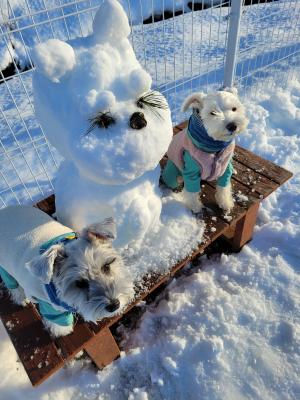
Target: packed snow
point(228, 328)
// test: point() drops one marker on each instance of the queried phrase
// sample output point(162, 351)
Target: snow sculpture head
point(95, 104)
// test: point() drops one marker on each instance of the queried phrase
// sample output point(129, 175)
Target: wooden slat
point(47, 205)
point(253, 180)
point(71, 344)
point(181, 126)
point(103, 349)
point(262, 166)
point(36, 350)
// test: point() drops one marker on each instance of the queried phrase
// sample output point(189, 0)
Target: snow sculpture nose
point(231, 127)
point(113, 305)
point(137, 121)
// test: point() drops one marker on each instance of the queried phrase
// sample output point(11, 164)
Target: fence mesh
point(181, 43)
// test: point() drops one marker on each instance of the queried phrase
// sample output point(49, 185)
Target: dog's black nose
point(137, 121)
point(231, 127)
point(113, 305)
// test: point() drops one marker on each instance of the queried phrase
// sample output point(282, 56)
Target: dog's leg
point(192, 201)
point(224, 197)
point(18, 296)
point(170, 175)
point(57, 330)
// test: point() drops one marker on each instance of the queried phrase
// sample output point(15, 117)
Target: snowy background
point(229, 328)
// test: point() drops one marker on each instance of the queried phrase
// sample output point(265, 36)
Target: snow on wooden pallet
point(42, 356)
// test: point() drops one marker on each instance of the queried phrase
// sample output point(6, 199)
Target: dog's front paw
point(224, 197)
point(57, 330)
point(18, 296)
point(192, 201)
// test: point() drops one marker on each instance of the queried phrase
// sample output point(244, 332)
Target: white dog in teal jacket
point(204, 150)
point(65, 273)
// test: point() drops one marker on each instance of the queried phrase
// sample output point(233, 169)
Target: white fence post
point(232, 42)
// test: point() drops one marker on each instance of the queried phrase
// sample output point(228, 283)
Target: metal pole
point(232, 42)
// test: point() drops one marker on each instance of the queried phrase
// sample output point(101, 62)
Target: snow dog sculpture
point(96, 106)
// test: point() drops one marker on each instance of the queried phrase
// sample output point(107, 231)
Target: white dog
point(204, 150)
point(40, 262)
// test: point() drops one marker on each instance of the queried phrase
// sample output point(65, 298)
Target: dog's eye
point(82, 284)
point(106, 267)
point(213, 113)
point(233, 109)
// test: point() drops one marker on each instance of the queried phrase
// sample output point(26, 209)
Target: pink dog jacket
point(213, 165)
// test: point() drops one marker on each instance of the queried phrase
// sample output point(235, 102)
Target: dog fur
point(217, 111)
point(87, 272)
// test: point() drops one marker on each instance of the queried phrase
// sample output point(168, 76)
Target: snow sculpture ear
point(232, 90)
point(195, 100)
point(139, 82)
point(110, 23)
point(42, 266)
point(103, 231)
point(53, 59)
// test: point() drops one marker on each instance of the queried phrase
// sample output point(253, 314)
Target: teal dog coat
point(47, 309)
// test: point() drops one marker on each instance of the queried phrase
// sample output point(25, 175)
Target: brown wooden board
point(257, 183)
point(36, 350)
point(262, 166)
point(71, 344)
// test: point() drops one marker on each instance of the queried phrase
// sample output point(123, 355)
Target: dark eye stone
point(82, 284)
point(234, 109)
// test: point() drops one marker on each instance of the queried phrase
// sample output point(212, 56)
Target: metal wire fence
point(183, 44)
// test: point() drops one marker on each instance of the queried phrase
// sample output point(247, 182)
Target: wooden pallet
point(42, 356)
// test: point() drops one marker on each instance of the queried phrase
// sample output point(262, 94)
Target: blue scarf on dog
point(50, 287)
point(198, 132)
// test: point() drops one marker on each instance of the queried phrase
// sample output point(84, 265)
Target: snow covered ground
point(228, 330)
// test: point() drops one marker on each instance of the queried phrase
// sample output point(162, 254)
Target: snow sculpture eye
point(101, 120)
point(154, 101)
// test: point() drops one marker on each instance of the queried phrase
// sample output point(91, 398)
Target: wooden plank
point(256, 182)
point(182, 125)
point(73, 343)
point(103, 348)
point(244, 228)
point(262, 166)
point(34, 346)
point(47, 205)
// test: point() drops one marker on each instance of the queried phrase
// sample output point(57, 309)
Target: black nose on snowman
point(137, 121)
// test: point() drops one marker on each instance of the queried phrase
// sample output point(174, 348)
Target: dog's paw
point(57, 330)
point(18, 296)
point(224, 197)
point(192, 201)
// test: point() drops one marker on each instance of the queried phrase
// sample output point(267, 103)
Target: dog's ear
point(232, 90)
point(195, 100)
point(105, 230)
point(42, 266)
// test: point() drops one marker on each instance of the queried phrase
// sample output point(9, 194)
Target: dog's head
point(95, 103)
point(222, 113)
point(88, 273)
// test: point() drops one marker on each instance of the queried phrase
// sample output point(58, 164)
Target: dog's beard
point(216, 128)
point(90, 302)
